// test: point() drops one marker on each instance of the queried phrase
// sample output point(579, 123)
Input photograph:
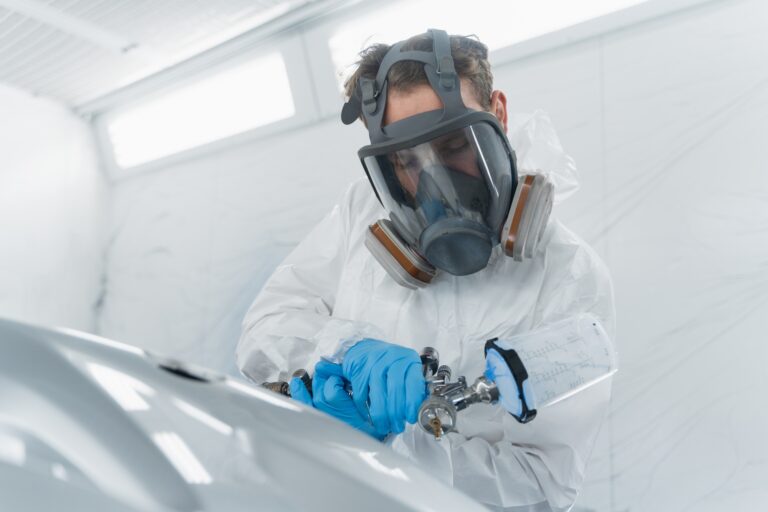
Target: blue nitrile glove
point(329, 396)
point(387, 380)
point(300, 392)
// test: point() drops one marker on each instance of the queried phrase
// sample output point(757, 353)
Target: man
point(466, 254)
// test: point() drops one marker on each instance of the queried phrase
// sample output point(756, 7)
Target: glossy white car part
point(89, 424)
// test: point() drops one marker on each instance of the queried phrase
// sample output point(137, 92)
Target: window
point(233, 101)
point(498, 23)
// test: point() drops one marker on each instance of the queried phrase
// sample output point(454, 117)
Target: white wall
point(51, 214)
point(667, 121)
point(190, 246)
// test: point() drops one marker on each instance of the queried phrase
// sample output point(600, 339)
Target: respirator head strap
point(445, 68)
point(368, 91)
point(369, 98)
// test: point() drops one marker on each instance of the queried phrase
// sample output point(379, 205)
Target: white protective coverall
point(330, 290)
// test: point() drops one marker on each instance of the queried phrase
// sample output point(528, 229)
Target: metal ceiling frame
point(71, 25)
point(202, 62)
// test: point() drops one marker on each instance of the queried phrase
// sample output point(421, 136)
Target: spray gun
point(438, 413)
point(522, 373)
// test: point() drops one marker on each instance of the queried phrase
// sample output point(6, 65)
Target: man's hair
point(470, 58)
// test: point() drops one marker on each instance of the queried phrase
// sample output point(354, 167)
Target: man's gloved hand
point(387, 380)
point(329, 396)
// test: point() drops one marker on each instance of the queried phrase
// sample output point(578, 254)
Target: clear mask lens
point(464, 174)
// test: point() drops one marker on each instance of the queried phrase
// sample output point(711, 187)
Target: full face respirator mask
point(447, 178)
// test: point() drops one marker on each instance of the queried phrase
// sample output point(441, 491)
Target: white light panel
point(242, 98)
point(497, 23)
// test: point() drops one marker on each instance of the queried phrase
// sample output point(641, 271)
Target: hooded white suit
point(330, 290)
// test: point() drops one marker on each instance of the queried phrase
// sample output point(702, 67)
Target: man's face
point(455, 150)
point(423, 98)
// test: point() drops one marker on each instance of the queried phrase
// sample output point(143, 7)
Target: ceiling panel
point(78, 50)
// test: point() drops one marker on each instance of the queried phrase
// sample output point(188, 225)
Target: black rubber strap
point(518, 372)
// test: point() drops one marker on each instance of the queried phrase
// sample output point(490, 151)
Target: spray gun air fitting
point(438, 413)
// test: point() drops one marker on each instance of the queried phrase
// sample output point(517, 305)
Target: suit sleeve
point(291, 323)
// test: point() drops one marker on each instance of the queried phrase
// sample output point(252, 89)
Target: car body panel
point(87, 418)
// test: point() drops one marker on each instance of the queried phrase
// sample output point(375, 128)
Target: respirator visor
point(466, 175)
